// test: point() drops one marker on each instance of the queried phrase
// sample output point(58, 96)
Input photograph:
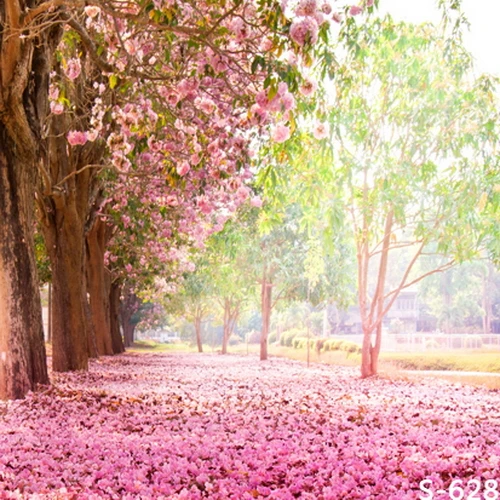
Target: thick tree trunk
point(266, 306)
point(128, 332)
point(24, 73)
point(65, 246)
point(98, 282)
point(114, 313)
point(23, 362)
point(128, 307)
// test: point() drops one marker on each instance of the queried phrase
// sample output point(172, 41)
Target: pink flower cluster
point(217, 427)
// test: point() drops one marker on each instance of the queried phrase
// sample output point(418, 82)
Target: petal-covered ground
point(189, 426)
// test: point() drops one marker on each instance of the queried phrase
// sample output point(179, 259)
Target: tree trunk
point(225, 335)
point(65, 246)
point(24, 73)
point(114, 312)
point(23, 362)
point(487, 303)
point(99, 286)
point(266, 306)
point(373, 322)
point(197, 329)
point(128, 307)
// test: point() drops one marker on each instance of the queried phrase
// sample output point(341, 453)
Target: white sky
point(483, 38)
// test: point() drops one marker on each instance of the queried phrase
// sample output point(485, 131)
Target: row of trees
point(399, 162)
point(129, 125)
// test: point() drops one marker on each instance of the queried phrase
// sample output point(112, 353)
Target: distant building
point(162, 335)
point(403, 313)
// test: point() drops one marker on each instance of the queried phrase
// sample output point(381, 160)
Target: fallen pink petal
point(208, 426)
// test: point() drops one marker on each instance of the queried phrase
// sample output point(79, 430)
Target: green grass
point(152, 346)
point(468, 361)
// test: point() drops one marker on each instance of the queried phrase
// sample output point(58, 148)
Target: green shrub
point(272, 337)
point(287, 337)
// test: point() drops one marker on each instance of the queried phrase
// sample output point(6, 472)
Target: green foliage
point(286, 338)
point(42, 260)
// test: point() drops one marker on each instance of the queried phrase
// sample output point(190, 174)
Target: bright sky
point(483, 39)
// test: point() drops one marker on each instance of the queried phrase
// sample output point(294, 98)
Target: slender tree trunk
point(373, 321)
point(487, 303)
point(197, 329)
point(23, 362)
point(114, 311)
point(266, 305)
point(225, 334)
point(99, 286)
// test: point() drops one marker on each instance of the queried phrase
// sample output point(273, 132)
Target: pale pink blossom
point(92, 135)
point(56, 108)
point(73, 69)
point(183, 168)
point(355, 10)
point(195, 159)
point(281, 133)
point(266, 45)
point(288, 101)
point(308, 88)
point(304, 30)
point(76, 138)
point(92, 10)
point(326, 8)
point(256, 201)
point(321, 130)
point(307, 8)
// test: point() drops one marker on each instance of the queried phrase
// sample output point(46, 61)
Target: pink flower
point(355, 10)
point(281, 133)
point(307, 8)
point(256, 201)
point(326, 8)
point(76, 138)
point(57, 108)
point(337, 17)
point(195, 158)
point(321, 130)
point(183, 168)
point(308, 88)
point(172, 200)
point(92, 10)
point(288, 101)
point(304, 30)
point(73, 69)
point(266, 45)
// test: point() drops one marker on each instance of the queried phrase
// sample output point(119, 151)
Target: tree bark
point(266, 306)
point(99, 286)
point(373, 322)
point(487, 302)
point(114, 312)
point(66, 251)
point(225, 334)
point(128, 307)
point(23, 362)
point(197, 329)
